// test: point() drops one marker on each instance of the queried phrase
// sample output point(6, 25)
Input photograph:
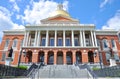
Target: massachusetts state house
point(60, 39)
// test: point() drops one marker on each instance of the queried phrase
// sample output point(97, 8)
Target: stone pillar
point(55, 58)
point(64, 38)
point(34, 57)
point(24, 41)
point(55, 42)
point(38, 38)
point(35, 40)
point(72, 35)
point(81, 39)
point(92, 39)
point(45, 59)
point(47, 38)
point(95, 39)
point(84, 40)
point(64, 58)
point(29, 40)
point(84, 57)
point(74, 57)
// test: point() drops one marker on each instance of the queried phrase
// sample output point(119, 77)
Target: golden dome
point(59, 11)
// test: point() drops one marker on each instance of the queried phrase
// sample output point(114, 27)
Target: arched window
point(116, 57)
point(113, 43)
point(105, 43)
point(15, 43)
point(7, 43)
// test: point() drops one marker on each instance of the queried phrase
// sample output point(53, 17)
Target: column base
point(112, 62)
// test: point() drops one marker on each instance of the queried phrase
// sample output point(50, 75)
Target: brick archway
point(50, 58)
point(90, 57)
point(78, 57)
point(28, 57)
point(41, 56)
point(69, 58)
point(59, 57)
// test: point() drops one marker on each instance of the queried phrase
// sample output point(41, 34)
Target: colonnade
point(82, 38)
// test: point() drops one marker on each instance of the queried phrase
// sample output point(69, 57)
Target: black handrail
point(89, 69)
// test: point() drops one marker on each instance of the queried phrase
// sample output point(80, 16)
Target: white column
point(92, 39)
point(35, 39)
point(72, 38)
point(24, 41)
point(81, 39)
point(64, 38)
point(38, 38)
point(84, 40)
point(27, 39)
point(55, 39)
point(95, 39)
point(46, 38)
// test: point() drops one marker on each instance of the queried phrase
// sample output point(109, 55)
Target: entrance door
point(59, 60)
point(59, 57)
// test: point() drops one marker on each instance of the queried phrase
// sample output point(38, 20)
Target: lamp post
point(100, 61)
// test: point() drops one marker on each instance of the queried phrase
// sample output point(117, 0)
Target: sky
point(15, 14)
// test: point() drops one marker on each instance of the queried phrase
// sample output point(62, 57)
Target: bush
point(95, 68)
point(22, 67)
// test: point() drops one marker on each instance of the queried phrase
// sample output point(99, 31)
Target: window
point(119, 37)
point(105, 43)
point(116, 57)
point(113, 43)
point(13, 54)
point(43, 42)
point(21, 44)
point(15, 43)
point(76, 42)
point(7, 43)
point(60, 43)
point(3, 56)
point(51, 41)
point(67, 42)
point(98, 44)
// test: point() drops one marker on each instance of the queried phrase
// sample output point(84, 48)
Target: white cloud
point(114, 22)
point(40, 10)
point(6, 22)
point(15, 6)
point(104, 3)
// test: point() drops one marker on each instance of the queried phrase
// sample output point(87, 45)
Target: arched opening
point(69, 57)
point(59, 57)
point(41, 56)
point(50, 57)
point(28, 57)
point(90, 57)
point(78, 57)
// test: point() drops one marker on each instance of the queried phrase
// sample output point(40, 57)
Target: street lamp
point(100, 61)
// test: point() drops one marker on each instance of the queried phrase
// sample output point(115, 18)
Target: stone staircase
point(62, 71)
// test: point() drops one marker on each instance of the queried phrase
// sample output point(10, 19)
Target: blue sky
point(15, 14)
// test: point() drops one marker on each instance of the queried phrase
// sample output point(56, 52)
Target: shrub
point(22, 67)
point(95, 68)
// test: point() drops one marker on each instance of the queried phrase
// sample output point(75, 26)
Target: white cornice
point(61, 27)
point(14, 32)
point(106, 32)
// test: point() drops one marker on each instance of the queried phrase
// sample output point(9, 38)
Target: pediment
point(59, 18)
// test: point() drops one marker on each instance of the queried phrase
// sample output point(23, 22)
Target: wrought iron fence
point(8, 71)
point(108, 72)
